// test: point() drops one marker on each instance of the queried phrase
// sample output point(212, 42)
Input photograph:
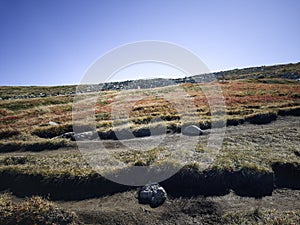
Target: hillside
point(254, 179)
point(285, 71)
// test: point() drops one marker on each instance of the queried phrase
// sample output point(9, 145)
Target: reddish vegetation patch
point(242, 98)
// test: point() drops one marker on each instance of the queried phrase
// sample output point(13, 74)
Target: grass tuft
point(34, 210)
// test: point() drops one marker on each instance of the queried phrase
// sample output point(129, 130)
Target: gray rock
point(89, 135)
point(192, 130)
point(43, 95)
point(84, 136)
point(68, 135)
point(152, 194)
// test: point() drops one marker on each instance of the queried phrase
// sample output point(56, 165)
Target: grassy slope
point(24, 123)
point(21, 120)
point(243, 100)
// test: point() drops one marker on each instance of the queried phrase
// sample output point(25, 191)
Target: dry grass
point(244, 100)
point(23, 121)
point(262, 216)
point(257, 149)
point(34, 210)
point(24, 126)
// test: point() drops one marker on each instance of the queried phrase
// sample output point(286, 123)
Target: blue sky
point(50, 42)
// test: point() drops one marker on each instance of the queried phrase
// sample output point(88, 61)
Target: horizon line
point(178, 77)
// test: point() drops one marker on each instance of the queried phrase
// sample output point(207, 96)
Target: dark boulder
point(152, 194)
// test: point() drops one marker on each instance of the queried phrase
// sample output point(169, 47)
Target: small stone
point(192, 130)
point(53, 123)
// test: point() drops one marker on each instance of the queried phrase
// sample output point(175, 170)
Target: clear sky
point(49, 42)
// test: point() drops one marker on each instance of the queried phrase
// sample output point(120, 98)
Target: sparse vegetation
point(258, 216)
point(34, 210)
point(251, 163)
point(34, 146)
point(245, 102)
point(52, 131)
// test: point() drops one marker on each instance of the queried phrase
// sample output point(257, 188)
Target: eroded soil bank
point(123, 208)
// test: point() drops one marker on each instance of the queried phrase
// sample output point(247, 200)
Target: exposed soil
point(123, 208)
